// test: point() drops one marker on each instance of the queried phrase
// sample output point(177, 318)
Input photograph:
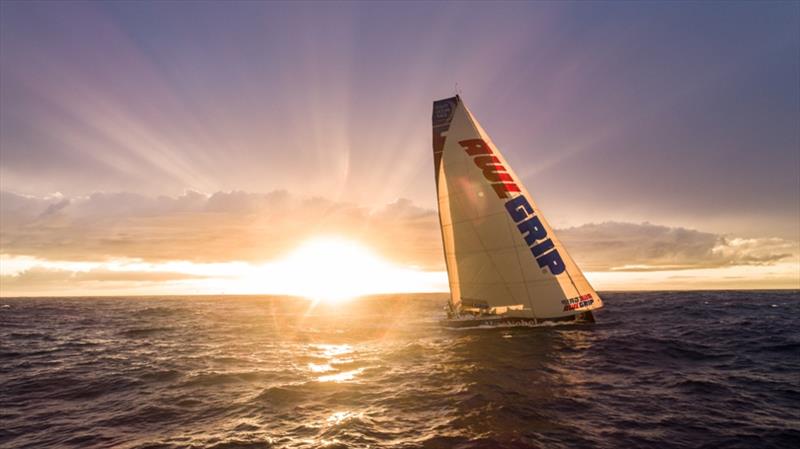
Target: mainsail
point(502, 256)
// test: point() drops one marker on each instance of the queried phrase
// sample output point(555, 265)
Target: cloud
point(39, 276)
point(196, 227)
point(39, 280)
point(255, 227)
point(613, 246)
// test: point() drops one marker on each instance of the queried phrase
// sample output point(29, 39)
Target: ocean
point(658, 370)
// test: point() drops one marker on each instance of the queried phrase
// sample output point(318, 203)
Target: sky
point(170, 147)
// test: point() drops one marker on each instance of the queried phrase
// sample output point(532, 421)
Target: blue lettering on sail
point(531, 228)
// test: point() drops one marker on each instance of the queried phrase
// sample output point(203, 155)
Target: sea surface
point(658, 370)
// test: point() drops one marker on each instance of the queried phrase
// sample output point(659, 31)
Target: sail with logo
point(504, 263)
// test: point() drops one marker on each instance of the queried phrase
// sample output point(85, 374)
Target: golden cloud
point(254, 227)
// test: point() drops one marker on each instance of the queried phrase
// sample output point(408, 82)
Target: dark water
point(660, 370)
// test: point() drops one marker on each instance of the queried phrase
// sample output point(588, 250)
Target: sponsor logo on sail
point(535, 234)
point(578, 302)
point(518, 207)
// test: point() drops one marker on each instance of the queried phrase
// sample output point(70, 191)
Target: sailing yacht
point(505, 265)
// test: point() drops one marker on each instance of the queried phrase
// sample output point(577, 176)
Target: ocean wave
point(659, 369)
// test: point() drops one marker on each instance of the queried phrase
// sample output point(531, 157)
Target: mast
point(443, 111)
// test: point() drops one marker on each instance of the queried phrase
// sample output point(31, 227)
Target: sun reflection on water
point(320, 368)
point(341, 377)
point(341, 417)
point(333, 354)
point(329, 350)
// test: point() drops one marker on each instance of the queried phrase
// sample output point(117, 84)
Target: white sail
point(501, 254)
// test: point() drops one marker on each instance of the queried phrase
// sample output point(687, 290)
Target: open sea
point(658, 370)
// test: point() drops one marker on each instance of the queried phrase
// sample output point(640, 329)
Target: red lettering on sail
point(494, 172)
point(475, 147)
point(503, 190)
point(492, 169)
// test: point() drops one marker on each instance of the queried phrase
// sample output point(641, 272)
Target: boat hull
point(510, 321)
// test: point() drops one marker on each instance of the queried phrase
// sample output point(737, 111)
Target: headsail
point(501, 253)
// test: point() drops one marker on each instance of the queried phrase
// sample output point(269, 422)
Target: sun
point(329, 269)
point(333, 269)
